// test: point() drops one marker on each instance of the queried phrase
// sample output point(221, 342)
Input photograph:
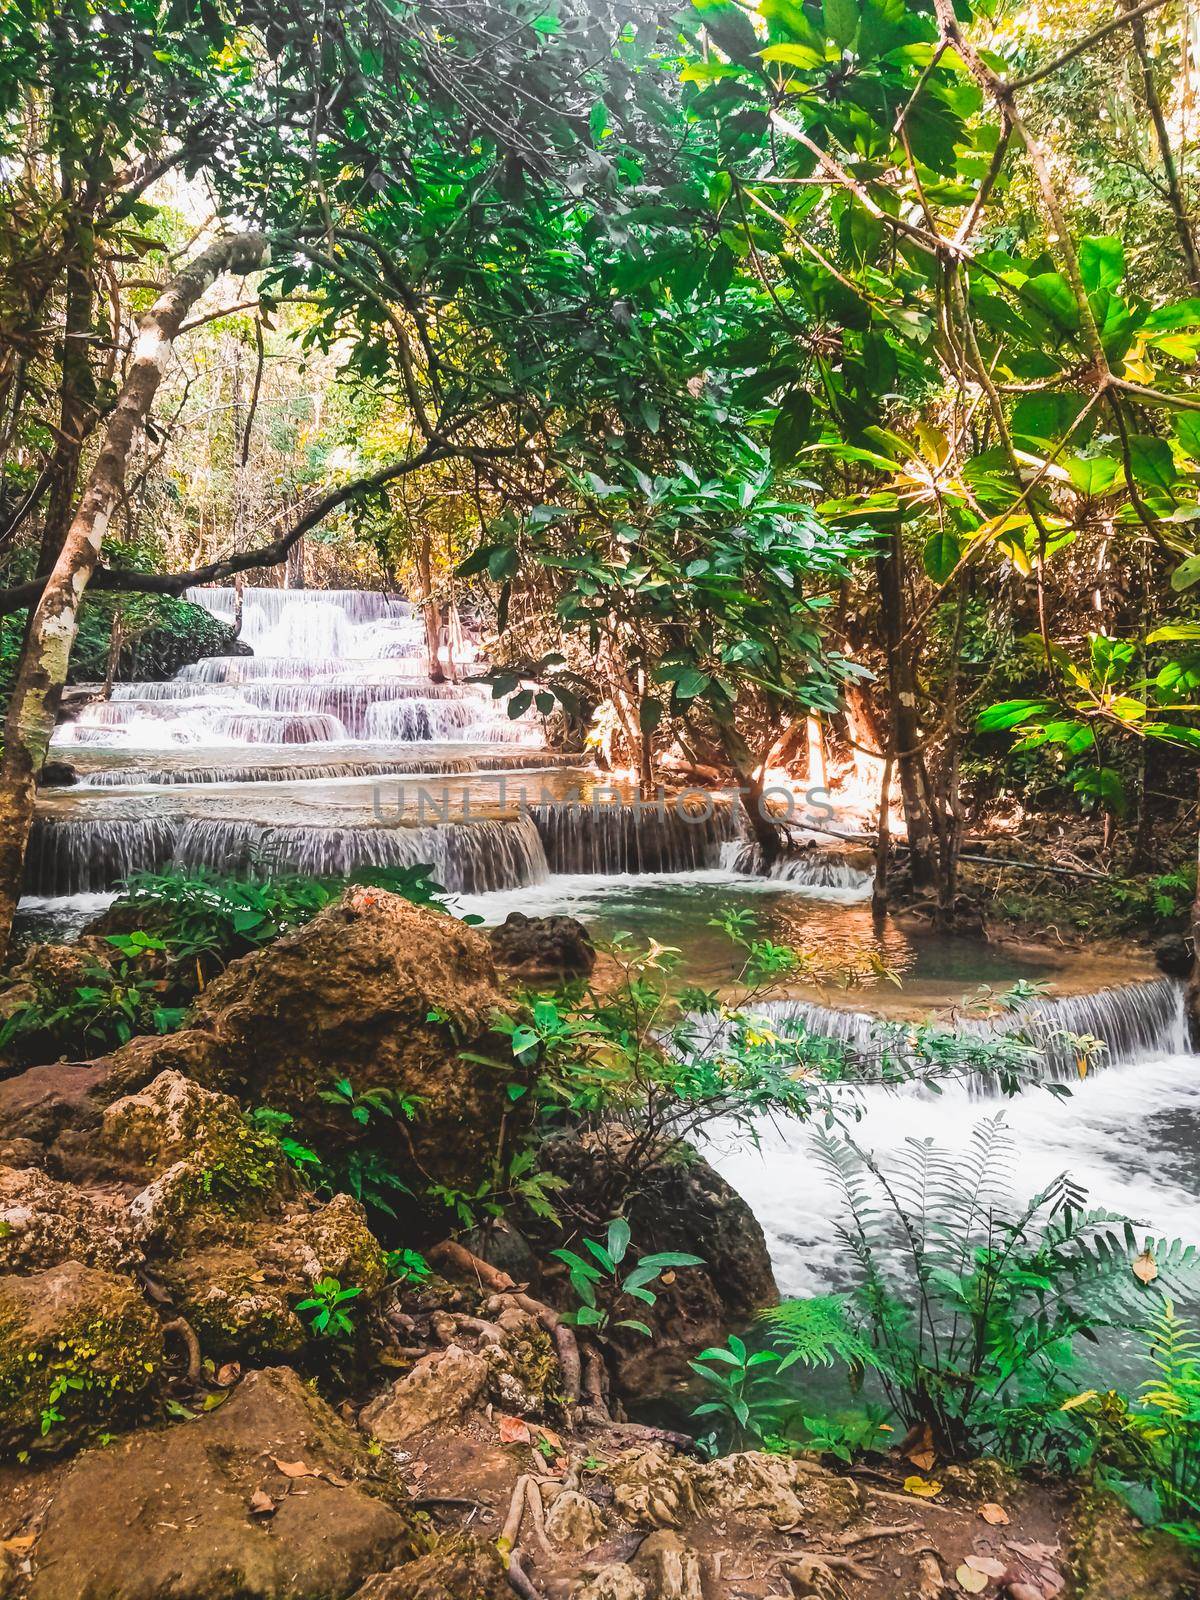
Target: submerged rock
point(205, 1510)
point(537, 949)
point(80, 1350)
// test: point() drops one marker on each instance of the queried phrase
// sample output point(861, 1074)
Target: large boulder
point(374, 991)
point(269, 1497)
point(79, 1351)
point(462, 1568)
point(677, 1202)
point(441, 1388)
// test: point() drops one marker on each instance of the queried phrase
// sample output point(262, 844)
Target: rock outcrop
point(268, 1496)
point(542, 950)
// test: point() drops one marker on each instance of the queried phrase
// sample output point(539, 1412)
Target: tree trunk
point(905, 742)
point(431, 612)
point(750, 775)
point(42, 668)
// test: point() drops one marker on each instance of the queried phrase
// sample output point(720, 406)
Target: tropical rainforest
point(599, 811)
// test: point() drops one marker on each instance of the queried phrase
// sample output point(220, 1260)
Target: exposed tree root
point(185, 1331)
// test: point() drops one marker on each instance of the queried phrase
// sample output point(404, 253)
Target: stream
point(326, 749)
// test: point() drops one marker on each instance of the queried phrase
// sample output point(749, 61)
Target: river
point(327, 748)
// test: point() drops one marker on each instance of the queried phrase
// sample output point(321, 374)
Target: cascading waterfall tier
point(814, 869)
point(1134, 1021)
point(608, 838)
point(71, 858)
point(328, 667)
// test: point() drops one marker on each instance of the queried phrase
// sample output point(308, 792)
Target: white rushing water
point(1130, 1134)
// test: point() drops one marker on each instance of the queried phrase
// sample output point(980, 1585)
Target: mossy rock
point(461, 1568)
point(80, 1352)
point(1112, 1557)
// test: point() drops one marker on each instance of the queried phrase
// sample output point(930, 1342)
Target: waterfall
point(609, 837)
point(816, 869)
point(437, 764)
point(68, 858)
point(1136, 1021)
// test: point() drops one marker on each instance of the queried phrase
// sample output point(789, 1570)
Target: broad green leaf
point(1050, 292)
point(1187, 431)
point(792, 428)
point(1011, 714)
point(1186, 574)
point(841, 21)
point(794, 55)
point(1151, 461)
point(1101, 262)
point(941, 554)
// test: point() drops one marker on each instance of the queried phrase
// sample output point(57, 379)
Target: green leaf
point(941, 554)
point(618, 1239)
point(1187, 431)
point(1101, 262)
point(1151, 461)
point(793, 428)
point(1050, 292)
point(794, 55)
point(841, 21)
point(520, 704)
point(1011, 714)
point(1092, 475)
point(1186, 574)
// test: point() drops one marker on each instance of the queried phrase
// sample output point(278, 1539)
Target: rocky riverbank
point(183, 1416)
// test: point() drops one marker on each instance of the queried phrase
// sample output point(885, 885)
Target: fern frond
point(816, 1333)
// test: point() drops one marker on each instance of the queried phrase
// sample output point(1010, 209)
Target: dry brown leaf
point(513, 1431)
point(295, 1469)
point(19, 1544)
point(988, 1565)
point(261, 1504)
point(991, 1512)
point(925, 1488)
point(1145, 1268)
point(970, 1581)
point(228, 1374)
point(1025, 1591)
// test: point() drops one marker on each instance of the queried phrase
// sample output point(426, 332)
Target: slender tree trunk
point(749, 774)
point(883, 841)
point(42, 669)
point(431, 612)
point(1179, 213)
point(905, 742)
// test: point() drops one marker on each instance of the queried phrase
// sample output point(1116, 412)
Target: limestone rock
point(441, 1387)
point(43, 1223)
point(238, 1281)
point(459, 1569)
point(615, 1582)
point(351, 995)
point(673, 1571)
point(79, 1350)
point(169, 1514)
point(655, 1489)
point(169, 1120)
point(1112, 1558)
point(573, 1521)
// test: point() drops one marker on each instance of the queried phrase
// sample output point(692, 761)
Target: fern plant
point(1151, 1454)
point(973, 1305)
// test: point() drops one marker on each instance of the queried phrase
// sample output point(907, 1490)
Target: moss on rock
point(80, 1350)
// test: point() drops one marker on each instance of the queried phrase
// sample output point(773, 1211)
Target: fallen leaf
point(1145, 1268)
point(294, 1469)
point(988, 1565)
point(551, 1438)
point(1025, 1591)
point(513, 1430)
point(338, 1483)
point(991, 1512)
point(418, 1469)
point(228, 1374)
point(919, 1449)
point(970, 1581)
point(925, 1487)
point(19, 1544)
point(261, 1504)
